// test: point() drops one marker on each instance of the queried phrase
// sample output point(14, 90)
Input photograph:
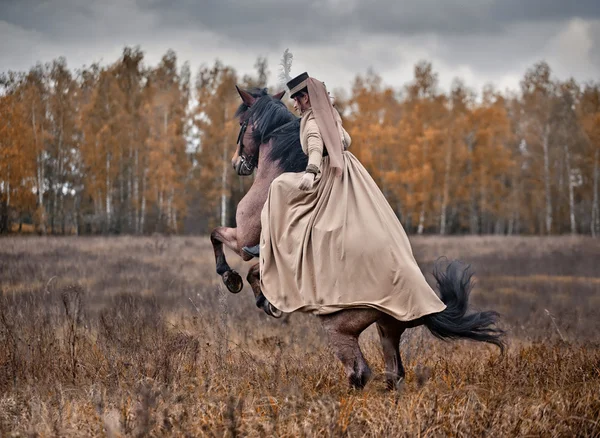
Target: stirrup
point(253, 251)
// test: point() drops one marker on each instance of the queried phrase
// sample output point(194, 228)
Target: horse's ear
point(247, 98)
point(279, 95)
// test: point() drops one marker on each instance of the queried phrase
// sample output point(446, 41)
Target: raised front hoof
point(233, 281)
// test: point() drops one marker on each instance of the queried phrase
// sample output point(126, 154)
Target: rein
point(247, 162)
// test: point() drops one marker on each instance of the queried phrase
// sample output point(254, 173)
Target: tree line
point(129, 148)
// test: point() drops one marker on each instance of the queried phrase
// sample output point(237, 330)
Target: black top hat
point(297, 84)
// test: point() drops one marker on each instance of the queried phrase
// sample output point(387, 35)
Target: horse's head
point(245, 158)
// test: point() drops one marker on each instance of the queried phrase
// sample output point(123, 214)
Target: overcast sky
point(481, 41)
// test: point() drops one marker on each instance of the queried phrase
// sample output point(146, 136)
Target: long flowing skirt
point(337, 246)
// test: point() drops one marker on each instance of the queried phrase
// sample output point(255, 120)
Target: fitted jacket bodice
point(312, 141)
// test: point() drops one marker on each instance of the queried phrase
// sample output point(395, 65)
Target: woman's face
point(301, 103)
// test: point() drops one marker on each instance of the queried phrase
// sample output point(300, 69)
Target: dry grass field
point(136, 337)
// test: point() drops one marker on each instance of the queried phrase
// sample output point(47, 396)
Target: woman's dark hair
point(298, 93)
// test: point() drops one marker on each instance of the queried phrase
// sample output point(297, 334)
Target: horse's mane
point(273, 121)
point(287, 149)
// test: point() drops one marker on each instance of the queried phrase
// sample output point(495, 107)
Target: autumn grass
point(136, 337)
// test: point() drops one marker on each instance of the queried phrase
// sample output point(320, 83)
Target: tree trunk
point(136, 192)
point(173, 212)
point(545, 140)
point(129, 194)
point(6, 215)
point(98, 210)
point(172, 223)
point(108, 194)
point(421, 226)
point(3, 217)
point(223, 220)
point(571, 194)
point(143, 206)
point(499, 227)
point(446, 190)
point(77, 220)
point(40, 193)
point(169, 206)
point(513, 226)
point(424, 192)
point(595, 225)
point(59, 182)
point(159, 197)
point(39, 175)
point(224, 184)
point(63, 216)
point(53, 209)
point(484, 229)
point(121, 209)
point(409, 211)
point(8, 188)
point(473, 217)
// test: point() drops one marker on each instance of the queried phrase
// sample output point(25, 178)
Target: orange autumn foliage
point(132, 148)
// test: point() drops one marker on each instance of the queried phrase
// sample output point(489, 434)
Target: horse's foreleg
point(390, 330)
point(344, 328)
point(227, 236)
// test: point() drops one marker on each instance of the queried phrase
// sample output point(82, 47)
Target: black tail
point(455, 286)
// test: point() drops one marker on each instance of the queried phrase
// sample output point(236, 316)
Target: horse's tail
point(455, 286)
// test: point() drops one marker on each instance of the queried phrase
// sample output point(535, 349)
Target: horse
point(269, 140)
point(287, 157)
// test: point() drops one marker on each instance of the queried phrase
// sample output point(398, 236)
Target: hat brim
point(298, 88)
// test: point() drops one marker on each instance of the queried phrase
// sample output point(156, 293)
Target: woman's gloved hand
point(307, 181)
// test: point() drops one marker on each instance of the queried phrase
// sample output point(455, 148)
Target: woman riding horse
point(335, 249)
point(329, 238)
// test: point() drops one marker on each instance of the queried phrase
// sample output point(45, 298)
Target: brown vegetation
point(136, 337)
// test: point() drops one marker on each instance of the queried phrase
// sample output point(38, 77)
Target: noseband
point(247, 162)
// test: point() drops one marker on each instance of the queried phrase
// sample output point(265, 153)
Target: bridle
point(247, 162)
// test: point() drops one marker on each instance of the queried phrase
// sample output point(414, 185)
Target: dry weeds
point(136, 337)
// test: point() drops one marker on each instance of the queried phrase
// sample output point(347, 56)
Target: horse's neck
point(267, 170)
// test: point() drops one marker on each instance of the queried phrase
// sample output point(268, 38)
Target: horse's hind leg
point(390, 330)
point(227, 236)
point(261, 302)
point(344, 328)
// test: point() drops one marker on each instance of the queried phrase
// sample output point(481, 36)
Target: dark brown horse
point(269, 140)
point(288, 158)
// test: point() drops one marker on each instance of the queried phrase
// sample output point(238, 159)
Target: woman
point(311, 137)
point(329, 238)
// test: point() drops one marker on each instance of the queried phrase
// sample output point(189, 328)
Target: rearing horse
point(268, 115)
point(271, 133)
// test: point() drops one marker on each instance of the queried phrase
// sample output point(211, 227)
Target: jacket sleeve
point(314, 144)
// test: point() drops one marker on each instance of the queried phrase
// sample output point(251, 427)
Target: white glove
point(307, 181)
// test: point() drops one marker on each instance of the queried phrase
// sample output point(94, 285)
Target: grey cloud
point(514, 48)
point(311, 21)
point(485, 40)
point(459, 17)
point(65, 20)
point(536, 10)
point(267, 22)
